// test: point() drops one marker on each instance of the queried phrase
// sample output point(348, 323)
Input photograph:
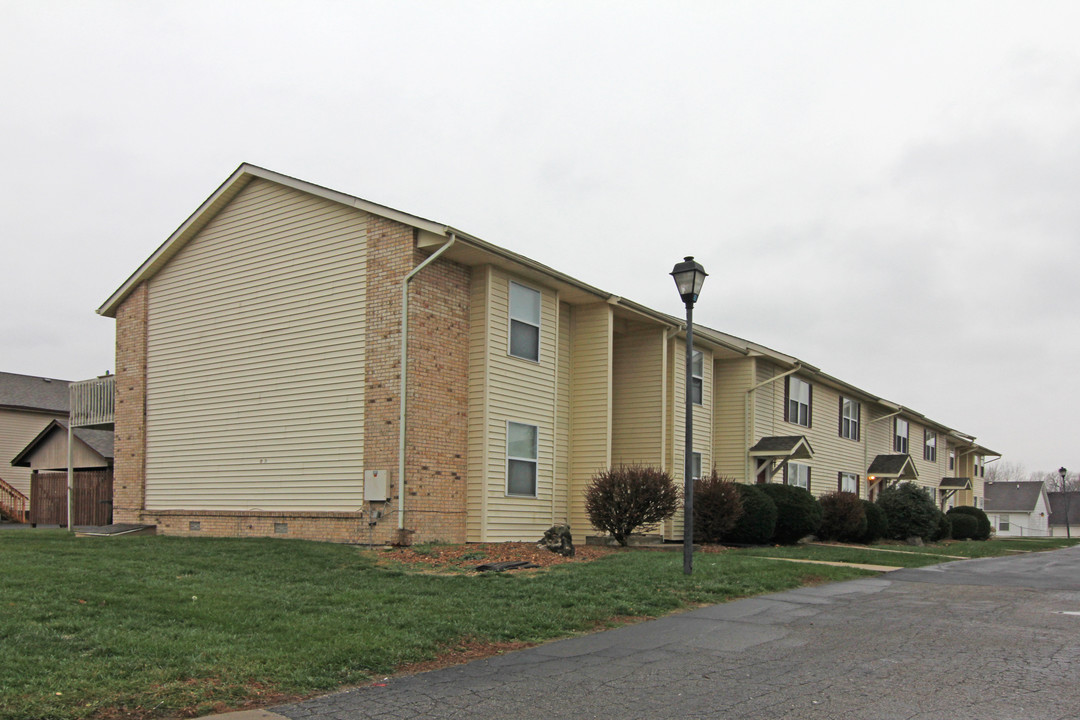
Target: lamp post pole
point(1065, 496)
point(689, 277)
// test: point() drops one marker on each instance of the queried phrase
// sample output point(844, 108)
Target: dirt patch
point(466, 557)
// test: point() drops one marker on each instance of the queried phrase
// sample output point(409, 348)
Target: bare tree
point(1005, 471)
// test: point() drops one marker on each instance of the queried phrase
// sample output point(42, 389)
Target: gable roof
point(955, 483)
point(100, 441)
point(27, 392)
point(796, 447)
point(468, 250)
point(1057, 508)
point(1012, 496)
point(893, 466)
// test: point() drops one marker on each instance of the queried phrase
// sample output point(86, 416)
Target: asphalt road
point(971, 640)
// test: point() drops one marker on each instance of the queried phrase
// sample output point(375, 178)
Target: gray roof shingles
point(1057, 508)
point(27, 392)
point(1011, 496)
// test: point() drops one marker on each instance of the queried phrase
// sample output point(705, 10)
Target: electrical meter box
point(375, 485)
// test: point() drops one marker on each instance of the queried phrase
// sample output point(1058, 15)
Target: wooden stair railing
point(12, 503)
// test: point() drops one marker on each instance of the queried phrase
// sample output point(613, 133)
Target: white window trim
point(791, 478)
point(903, 448)
point(929, 445)
point(854, 479)
point(534, 460)
point(510, 320)
point(799, 404)
point(852, 430)
point(695, 459)
point(700, 378)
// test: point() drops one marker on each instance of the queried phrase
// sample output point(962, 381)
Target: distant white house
point(1018, 509)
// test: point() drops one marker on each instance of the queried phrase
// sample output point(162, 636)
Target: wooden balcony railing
point(12, 503)
point(92, 402)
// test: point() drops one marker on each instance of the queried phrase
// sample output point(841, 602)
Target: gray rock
point(557, 539)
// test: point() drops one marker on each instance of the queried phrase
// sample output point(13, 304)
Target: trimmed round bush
point(624, 498)
point(910, 511)
point(798, 514)
point(944, 528)
point(758, 520)
point(877, 524)
point(717, 507)
point(964, 526)
point(983, 533)
point(842, 517)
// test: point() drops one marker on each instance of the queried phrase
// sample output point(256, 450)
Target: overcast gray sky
point(887, 190)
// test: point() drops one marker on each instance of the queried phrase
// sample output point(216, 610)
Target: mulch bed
point(467, 557)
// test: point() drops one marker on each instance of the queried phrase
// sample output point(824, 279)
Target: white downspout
point(405, 372)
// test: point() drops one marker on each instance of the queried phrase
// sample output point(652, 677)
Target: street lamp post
point(1065, 494)
point(689, 277)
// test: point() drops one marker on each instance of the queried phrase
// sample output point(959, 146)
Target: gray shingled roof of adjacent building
point(27, 392)
point(1057, 508)
point(1011, 496)
point(100, 441)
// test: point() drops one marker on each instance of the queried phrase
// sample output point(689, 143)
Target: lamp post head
point(689, 277)
point(1062, 472)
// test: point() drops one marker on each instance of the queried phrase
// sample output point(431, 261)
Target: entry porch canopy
point(772, 453)
point(891, 469)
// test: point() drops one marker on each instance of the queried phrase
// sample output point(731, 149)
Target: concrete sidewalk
point(925, 644)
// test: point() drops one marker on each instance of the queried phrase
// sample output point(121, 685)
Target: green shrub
point(798, 514)
point(944, 528)
point(758, 520)
point(877, 525)
point(964, 526)
point(842, 517)
point(910, 511)
point(983, 532)
point(717, 507)
point(624, 498)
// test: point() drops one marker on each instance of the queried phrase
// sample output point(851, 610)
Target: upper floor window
point(798, 475)
point(929, 445)
point(524, 322)
point(850, 415)
point(980, 467)
point(900, 439)
point(521, 459)
point(952, 459)
point(695, 466)
point(848, 482)
point(697, 377)
point(798, 401)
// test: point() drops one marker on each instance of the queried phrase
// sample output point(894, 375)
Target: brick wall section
point(129, 479)
point(438, 382)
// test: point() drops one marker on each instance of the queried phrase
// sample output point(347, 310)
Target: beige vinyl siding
point(563, 416)
point(832, 453)
point(703, 421)
point(255, 359)
point(478, 403)
point(591, 384)
point(520, 391)
point(930, 473)
point(769, 404)
point(637, 398)
point(731, 381)
point(17, 429)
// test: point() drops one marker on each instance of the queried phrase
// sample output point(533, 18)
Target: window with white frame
point(798, 402)
point(1003, 523)
point(849, 482)
point(798, 475)
point(524, 322)
point(952, 459)
point(697, 377)
point(900, 440)
point(521, 459)
point(929, 445)
point(850, 416)
point(695, 465)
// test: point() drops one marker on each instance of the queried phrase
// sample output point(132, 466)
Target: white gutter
point(405, 372)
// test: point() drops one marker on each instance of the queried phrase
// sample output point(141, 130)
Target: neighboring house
point(92, 462)
point(1062, 506)
point(1018, 509)
point(27, 405)
point(258, 385)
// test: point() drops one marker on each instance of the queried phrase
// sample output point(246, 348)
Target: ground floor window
point(521, 459)
point(1003, 523)
point(849, 482)
point(798, 475)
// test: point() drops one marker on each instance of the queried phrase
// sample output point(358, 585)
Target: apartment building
point(260, 368)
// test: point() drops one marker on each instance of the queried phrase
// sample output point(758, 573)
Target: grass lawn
point(160, 626)
point(902, 555)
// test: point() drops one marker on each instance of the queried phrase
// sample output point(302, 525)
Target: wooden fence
point(92, 492)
